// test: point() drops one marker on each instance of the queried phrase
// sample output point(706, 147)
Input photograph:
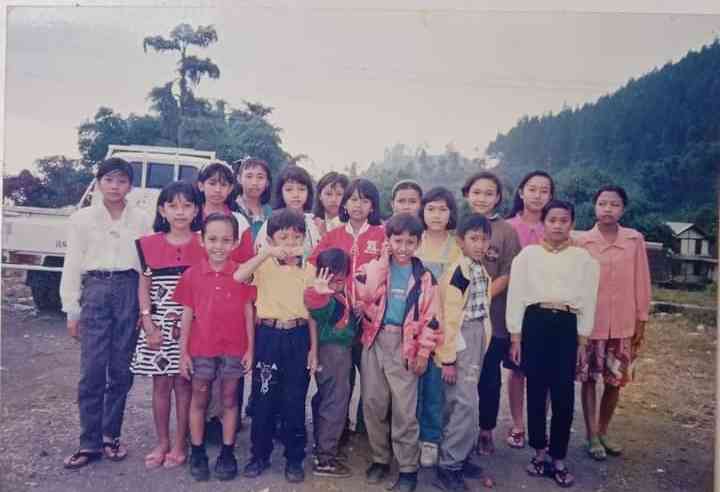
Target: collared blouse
point(624, 292)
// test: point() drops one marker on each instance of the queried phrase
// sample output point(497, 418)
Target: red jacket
point(422, 331)
point(367, 246)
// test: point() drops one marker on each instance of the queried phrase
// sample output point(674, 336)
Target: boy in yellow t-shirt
point(285, 344)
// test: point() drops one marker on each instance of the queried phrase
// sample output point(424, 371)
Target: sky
point(346, 79)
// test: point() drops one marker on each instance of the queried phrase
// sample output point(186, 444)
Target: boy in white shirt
point(99, 294)
point(550, 314)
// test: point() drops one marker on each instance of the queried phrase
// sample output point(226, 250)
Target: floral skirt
point(612, 359)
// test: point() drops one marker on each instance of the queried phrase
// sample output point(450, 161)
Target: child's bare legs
point(589, 404)
point(198, 405)
point(608, 403)
point(230, 409)
point(183, 393)
point(516, 397)
point(162, 386)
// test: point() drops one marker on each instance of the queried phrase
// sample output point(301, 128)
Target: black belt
point(557, 307)
point(108, 274)
point(282, 325)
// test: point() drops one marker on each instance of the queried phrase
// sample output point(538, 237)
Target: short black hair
point(440, 193)
point(518, 204)
point(293, 172)
point(221, 217)
point(243, 164)
point(285, 218)
point(330, 179)
point(406, 184)
point(168, 194)
point(115, 164)
point(475, 222)
point(483, 175)
point(402, 223)
point(335, 260)
point(613, 188)
point(365, 189)
point(558, 204)
point(216, 168)
point(224, 171)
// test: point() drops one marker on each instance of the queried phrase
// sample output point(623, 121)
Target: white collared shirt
point(97, 242)
point(570, 277)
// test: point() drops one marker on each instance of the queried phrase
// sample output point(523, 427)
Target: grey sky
point(345, 82)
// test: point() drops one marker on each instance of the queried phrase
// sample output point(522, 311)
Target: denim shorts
point(225, 366)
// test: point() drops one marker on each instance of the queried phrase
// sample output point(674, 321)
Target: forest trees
point(658, 136)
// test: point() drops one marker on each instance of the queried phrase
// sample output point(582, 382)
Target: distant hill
point(659, 136)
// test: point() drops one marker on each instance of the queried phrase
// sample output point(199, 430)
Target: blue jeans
point(430, 404)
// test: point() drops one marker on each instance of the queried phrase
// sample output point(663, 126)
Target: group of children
point(426, 306)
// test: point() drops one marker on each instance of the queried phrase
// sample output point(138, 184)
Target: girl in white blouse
point(550, 313)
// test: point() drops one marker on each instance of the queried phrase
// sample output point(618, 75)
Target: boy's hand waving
point(321, 283)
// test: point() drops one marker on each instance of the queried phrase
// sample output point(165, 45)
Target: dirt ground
point(665, 420)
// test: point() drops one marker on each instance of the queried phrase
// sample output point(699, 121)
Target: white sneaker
point(428, 454)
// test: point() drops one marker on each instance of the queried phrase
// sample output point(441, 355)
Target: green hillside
point(659, 136)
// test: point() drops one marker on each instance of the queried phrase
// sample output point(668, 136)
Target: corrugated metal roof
point(679, 227)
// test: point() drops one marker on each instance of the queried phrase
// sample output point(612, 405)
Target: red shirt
point(157, 253)
point(218, 304)
point(363, 248)
point(245, 249)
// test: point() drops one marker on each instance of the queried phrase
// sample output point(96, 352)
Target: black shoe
point(472, 471)
point(199, 468)
point(255, 467)
point(226, 466)
point(406, 482)
point(377, 473)
point(331, 468)
point(294, 472)
point(449, 480)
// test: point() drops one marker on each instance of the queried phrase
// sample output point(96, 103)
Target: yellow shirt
point(439, 259)
point(280, 291)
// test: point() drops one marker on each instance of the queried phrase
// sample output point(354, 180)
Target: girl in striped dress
point(164, 256)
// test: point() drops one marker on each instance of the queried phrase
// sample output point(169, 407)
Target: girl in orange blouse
point(622, 311)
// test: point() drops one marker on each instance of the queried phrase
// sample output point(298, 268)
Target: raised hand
point(321, 284)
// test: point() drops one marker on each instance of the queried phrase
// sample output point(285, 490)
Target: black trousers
point(280, 385)
point(549, 356)
point(491, 382)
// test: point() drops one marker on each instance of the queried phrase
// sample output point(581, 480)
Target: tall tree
point(190, 69)
point(59, 182)
point(109, 127)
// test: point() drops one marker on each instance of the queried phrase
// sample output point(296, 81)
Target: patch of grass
point(706, 297)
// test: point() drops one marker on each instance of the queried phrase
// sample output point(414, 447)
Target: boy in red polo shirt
point(216, 340)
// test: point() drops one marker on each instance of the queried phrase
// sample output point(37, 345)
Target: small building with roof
point(694, 260)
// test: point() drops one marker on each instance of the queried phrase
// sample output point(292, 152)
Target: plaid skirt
point(612, 359)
